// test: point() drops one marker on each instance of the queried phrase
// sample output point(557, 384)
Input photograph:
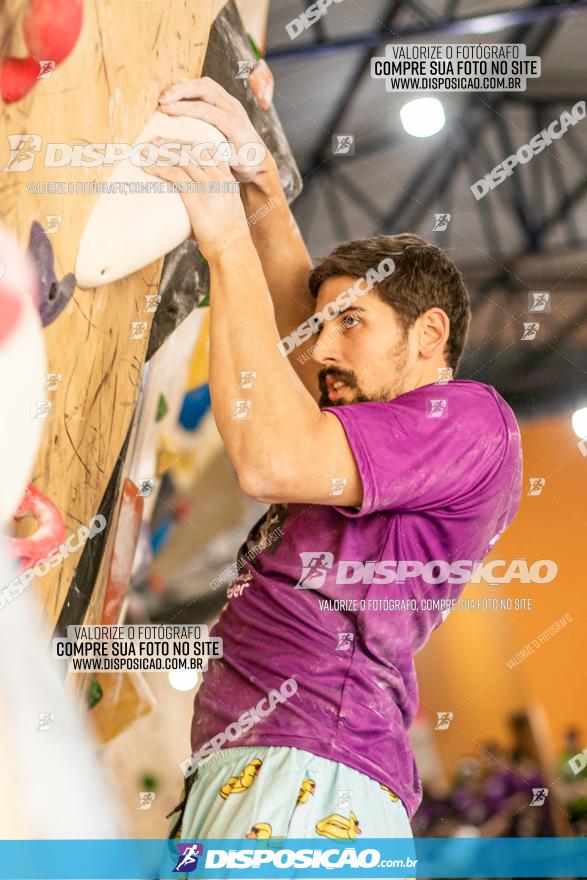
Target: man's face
point(364, 352)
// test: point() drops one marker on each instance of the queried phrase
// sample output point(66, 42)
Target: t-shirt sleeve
point(427, 449)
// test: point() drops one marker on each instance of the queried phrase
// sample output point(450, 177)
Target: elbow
point(262, 484)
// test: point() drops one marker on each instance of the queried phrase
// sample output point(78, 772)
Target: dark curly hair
point(424, 278)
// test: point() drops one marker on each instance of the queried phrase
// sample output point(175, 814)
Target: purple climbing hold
point(53, 294)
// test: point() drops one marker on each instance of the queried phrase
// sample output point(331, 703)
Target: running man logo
point(146, 799)
point(345, 797)
point(23, 148)
point(537, 484)
point(46, 720)
point(245, 68)
point(345, 640)
point(343, 144)
point(247, 378)
point(441, 222)
point(338, 485)
point(315, 565)
point(47, 68)
point(152, 300)
point(539, 301)
point(187, 857)
point(137, 329)
point(443, 375)
point(437, 409)
point(145, 488)
point(539, 796)
point(444, 719)
point(53, 223)
point(241, 409)
point(41, 410)
point(52, 381)
point(530, 331)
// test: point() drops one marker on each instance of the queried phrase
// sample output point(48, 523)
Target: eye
point(350, 321)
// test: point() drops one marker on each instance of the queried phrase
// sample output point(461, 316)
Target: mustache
point(346, 376)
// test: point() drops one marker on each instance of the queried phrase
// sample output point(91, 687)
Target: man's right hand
point(205, 99)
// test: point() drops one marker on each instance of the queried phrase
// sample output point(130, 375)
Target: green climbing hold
point(149, 782)
point(162, 408)
point(255, 48)
point(95, 693)
point(205, 301)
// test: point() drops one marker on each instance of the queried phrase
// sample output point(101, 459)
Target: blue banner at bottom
point(289, 858)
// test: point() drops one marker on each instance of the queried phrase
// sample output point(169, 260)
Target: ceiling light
point(422, 117)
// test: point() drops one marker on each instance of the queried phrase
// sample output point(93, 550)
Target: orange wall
point(463, 667)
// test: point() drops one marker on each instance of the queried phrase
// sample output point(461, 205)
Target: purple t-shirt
point(441, 471)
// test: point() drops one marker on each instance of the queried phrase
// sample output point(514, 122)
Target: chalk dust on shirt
point(440, 482)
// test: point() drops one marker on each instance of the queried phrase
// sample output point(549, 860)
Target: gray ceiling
point(530, 233)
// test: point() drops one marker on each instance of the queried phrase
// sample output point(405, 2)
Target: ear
point(433, 332)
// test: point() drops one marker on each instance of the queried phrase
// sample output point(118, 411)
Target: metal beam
point(476, 24)
point(431, 178)
point(344, 102)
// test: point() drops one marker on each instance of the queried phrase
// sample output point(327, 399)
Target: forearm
point(284, 257)
point(243, 338)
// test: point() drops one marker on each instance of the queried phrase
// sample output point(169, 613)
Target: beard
point(398, 385)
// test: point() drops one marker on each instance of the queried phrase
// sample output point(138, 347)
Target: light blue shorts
point(269, 792)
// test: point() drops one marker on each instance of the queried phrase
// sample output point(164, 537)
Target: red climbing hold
point(17, 77)
point(51, 28)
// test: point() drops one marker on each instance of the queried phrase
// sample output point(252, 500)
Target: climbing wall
point(105, 91)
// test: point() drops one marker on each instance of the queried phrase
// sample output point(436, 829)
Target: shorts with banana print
point(281, 792)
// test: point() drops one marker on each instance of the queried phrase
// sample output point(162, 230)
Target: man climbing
point(386, 479)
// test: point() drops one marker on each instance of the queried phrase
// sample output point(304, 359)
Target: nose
point(327, 346)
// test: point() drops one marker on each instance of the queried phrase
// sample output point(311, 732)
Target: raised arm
point(283, 255)
point(282, 446)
